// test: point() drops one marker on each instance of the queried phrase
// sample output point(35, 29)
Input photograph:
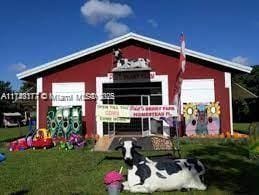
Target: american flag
point(180, 71)
point(182, 53)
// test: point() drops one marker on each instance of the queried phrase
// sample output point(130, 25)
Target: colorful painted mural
point(202, 118)
point(63, 121)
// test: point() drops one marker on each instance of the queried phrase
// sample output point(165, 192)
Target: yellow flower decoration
point(189, 110)
point(213, 109)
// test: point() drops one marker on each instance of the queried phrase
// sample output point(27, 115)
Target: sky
point(36, 32)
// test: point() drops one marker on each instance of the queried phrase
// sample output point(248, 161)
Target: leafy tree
point(5, 89)
point(249, 81)
point(27, 105)
point(5, 101)
point(246, 110)
point(27, 87)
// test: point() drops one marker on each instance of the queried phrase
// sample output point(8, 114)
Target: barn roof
point(240, 92)
point(137, 37)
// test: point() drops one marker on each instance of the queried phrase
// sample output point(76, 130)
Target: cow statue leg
point(135, 188)
point(140, 189)
point(196, 183)
point(125, 185)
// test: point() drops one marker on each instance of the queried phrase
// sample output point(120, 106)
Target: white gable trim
point(229, 86)
point(126, 37)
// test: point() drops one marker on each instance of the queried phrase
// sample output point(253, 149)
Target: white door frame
point(145, 132)
point(153, 78)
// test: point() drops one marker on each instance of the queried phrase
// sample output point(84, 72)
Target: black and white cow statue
point(124, 63)
point(147, 176)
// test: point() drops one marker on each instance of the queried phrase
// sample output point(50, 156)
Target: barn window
point(198, 91)
point(69, 94)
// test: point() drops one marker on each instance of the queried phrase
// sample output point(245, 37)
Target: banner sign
point(156, 111)
point(135, 111)
point(111, 110)
point(113, 120)
point(131, 76)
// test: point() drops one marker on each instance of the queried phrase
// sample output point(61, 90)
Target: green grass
point(241, 126)
point(12, 133)
point(56, 171)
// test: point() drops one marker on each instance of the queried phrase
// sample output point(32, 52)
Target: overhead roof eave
point(240, 92)
point(133, 36)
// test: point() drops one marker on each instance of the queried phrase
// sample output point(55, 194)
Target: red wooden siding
point(161, 63)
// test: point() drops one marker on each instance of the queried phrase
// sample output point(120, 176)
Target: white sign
point(136, 111)
point(67, 94)
point(113, 120)
point(153, 111)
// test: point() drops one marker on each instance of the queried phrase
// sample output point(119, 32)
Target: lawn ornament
point(202, 119)
point(125, 63)
point(190, 115)
point(22, 143)
point(147, 176)
point(56, 140)
point(2, 157)
point(18, 145)
point(62, 121)
point(113, 180)
point(65, 124)
point(117, 54)
point(51, 121)
point(77, 141)
point(59, 120)
point(76, 120)
point(42, 139)
point(74, 141)
point(66, 145)
point(213, 112)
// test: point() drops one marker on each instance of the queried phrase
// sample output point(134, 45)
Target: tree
point(5, 100)
point(5, 89)
point(27, 105)
point(27, 87)
point(246, 110)
point(249, 81)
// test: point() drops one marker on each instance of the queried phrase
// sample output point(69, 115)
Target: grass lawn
point(56, 171)
point(241, 126)
point(12, 133)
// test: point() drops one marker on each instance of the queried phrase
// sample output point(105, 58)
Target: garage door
point(68, 94)
point(198, 91)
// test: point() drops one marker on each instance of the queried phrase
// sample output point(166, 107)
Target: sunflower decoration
point(189, 110)
point(213, 109)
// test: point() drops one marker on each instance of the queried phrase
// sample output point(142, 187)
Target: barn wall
point(161, 63)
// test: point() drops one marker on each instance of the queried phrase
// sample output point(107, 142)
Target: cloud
point(116, 28)
point(97, 11)
point(240, 60)
point(19, 67)
point(153, 23)
point(107, 13)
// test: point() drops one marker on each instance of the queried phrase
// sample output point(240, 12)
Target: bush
point(254, 151)
point(90, 141)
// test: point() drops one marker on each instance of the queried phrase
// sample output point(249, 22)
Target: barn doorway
point(142, 93)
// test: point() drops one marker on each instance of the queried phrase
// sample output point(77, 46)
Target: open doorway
point(143, 93)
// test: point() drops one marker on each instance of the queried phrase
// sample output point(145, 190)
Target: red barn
point(206, 79)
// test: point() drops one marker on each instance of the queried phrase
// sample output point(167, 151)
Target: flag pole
point(178, 85)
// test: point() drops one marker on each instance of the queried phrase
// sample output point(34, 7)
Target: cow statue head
point(128, 149)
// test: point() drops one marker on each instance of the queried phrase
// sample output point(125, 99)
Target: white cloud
point(108, 14)
point(240, 60)
point(153, 23)
point(19, 67)
point(96, 11)
point(116, 28)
